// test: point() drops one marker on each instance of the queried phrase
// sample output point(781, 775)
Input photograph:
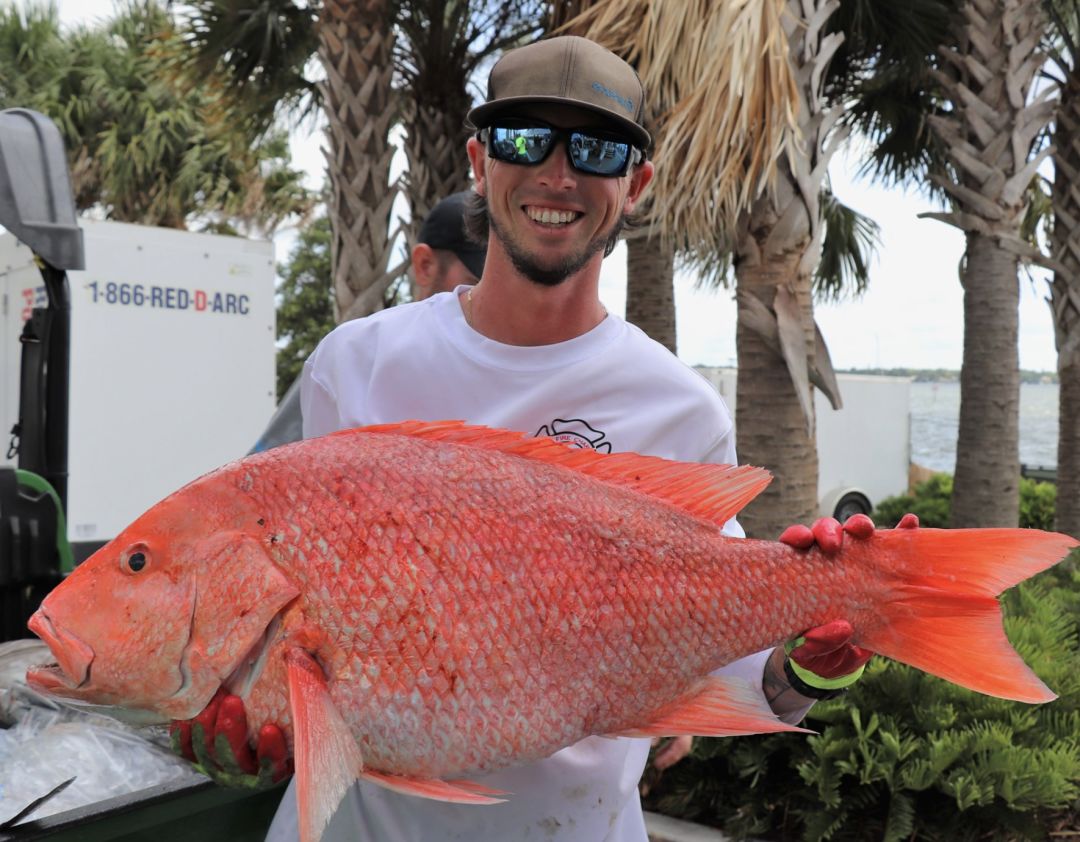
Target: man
point(444, 257)
point(559, 161)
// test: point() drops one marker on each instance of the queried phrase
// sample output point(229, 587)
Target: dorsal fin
point(712, 492)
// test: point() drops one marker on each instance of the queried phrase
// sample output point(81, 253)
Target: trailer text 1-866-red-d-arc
point(168, 298)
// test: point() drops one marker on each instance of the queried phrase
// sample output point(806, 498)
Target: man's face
point(581, 210)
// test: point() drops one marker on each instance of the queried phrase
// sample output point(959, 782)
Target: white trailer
point(864, 449)
point(172, 363)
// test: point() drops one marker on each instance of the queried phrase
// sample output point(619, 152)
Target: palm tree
point(430, 46)
point(777, 244)
point(990, 131)
point(700, 131)
point(441, 44)
point(142, 147)
point(266, 47)
point(356, 44)
point(1064, 53)
point(650, 287)
point(771, 184)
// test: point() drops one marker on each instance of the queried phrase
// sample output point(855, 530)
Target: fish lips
point(73, 658)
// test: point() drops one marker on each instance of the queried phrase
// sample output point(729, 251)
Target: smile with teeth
point(550, 216)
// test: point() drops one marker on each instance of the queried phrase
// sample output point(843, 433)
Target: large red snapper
point(419, 602)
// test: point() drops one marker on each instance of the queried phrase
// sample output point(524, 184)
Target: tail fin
point(943, 616)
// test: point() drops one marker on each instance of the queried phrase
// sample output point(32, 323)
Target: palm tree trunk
point(771, 427)
point(777, 247)
point(650, 291)
point(986, 488)
point(355, 47)
point(1065, 301)
point(435, 136)
point(989, 133)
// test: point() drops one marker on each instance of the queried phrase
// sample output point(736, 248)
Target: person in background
point(559, 161)
point(444, 257)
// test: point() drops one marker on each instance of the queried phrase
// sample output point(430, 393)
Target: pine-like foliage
point(145, 144)
point(907, 756)
point(305, 312)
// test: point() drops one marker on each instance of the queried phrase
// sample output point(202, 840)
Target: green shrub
point(1038, 501)
point(905, 756)
point(932, 500)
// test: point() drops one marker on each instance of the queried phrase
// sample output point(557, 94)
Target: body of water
point(935, 419)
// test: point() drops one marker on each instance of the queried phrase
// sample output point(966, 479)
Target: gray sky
point(912, 315)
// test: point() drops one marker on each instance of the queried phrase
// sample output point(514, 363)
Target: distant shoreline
point(943, 375)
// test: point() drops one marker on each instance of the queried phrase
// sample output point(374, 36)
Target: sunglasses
point(529, 142)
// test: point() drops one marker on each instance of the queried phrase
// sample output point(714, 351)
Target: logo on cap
point(628, 104)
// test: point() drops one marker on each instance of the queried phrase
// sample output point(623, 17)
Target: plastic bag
point(51, 742)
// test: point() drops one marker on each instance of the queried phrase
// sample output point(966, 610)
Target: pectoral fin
point(326, 756)
point(717, 706)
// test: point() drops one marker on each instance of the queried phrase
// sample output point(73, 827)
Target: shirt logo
point(628, 104)
point(576, 433)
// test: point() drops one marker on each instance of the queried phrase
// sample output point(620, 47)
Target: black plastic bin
point(188, 812)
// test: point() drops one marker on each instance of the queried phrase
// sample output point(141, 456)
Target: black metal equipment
point(29, 562)
point(36, 205)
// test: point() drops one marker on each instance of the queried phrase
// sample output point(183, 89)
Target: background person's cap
point(444, 228)
point(569, 70)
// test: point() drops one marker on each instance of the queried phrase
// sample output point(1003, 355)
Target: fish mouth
point(73, 658)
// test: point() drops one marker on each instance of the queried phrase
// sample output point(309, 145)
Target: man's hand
point(823, 661)
point(216, 740)
point(827, 533)
point(676, 749)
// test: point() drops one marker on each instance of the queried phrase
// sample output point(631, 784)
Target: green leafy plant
point(931, 501)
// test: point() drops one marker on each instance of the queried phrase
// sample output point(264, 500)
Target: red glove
point(823, 662)
point(217, 741)
point(827, 652)
point(827, 533)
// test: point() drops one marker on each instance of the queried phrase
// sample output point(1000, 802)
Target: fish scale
point(420, 602)
point(389, 539)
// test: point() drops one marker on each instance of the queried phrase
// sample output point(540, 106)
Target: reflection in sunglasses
point(588, 150)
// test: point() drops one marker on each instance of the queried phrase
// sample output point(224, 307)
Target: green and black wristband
point(814, 686)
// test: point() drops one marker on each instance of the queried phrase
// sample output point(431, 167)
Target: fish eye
point(135, 559)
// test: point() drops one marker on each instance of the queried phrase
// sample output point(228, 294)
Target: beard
point(550, 275)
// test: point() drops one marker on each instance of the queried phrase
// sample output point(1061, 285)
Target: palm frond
point(1062, 40)
point(265, 47)
point(850, 242)
point(883, 72)
point(719, 142)
point(1038, 213)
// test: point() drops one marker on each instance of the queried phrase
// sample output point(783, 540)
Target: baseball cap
point(444, 228)
point(569, 70)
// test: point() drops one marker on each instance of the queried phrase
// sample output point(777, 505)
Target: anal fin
point(717, 706)
point(458, 792)
point(327, 757)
